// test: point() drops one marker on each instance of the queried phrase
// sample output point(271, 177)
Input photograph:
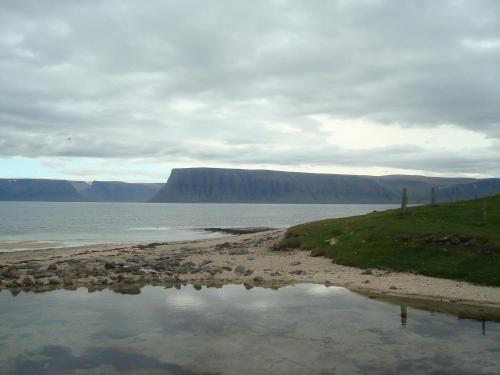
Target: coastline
point(249, 259)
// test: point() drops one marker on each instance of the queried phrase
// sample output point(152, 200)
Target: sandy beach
point(250, 259)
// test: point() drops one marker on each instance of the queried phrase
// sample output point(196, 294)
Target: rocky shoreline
point(253, 259)
point(122, 268)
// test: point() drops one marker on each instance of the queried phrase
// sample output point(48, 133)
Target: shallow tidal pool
point(301, 329)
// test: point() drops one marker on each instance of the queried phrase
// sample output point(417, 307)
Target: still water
point(90, 223)
point(303, 329)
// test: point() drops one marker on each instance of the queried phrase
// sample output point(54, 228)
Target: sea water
point(72, 224)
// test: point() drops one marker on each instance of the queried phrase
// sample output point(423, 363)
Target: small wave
point(150, 228)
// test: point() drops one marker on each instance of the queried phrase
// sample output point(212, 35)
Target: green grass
point(448, 240)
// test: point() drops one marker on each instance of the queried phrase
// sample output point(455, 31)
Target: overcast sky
point(131, 89)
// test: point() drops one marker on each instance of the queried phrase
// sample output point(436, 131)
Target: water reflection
point(199, 330)
point(61, 360)
point(403, 315)
point(465, 311)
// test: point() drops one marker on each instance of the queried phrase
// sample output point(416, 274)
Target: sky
point(128, 90)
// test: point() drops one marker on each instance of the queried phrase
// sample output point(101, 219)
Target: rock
point(42, 282)
point(109, 265)
point(10, 273)
point(27, 281)
point(132, 268)
point(297, 272)
point(332, 241)
point(204, 263)
point(131, 279)
point(366, 282)
point(91, 271)
point(238, 251)
point(227, 268)
point(101, 271)
point(222, 246)
point(295, 263)
point(276, 273)
point(42, 274)
point(11, 284)
point(276, 247)
point(215, 270)
point(392, 287)
point(367, 272)
point(240, 270)
point(68, 280)
point(251, 258)
point(54, 281)
point(258, 279)
point(52, 267)
point(30, 265)
point(243, 271)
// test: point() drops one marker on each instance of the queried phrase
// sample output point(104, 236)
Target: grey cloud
point(105, 74)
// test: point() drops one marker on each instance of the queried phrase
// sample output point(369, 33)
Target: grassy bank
point(449, 240)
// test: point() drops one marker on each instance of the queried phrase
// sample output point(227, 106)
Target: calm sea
point(74, 224)
point(296, 330)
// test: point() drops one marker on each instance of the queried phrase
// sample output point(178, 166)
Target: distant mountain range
point(217, 185)
point(75, 191)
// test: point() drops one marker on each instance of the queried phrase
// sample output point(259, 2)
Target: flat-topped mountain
point(75, 191)
point(217, 185)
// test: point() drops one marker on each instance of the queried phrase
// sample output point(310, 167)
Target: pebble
point(238, 251)
point(52, 267)
point(54, 281)
point(240, 269)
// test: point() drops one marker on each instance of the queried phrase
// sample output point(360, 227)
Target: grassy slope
point(448, 240)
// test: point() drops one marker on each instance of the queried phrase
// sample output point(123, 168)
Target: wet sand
point(251, 259)
point(26, 245)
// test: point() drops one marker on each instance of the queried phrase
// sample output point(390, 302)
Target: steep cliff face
point(213, 185)
point(233, 185)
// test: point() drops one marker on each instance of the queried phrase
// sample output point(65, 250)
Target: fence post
point(404, 200)
point(484, 212)
point(433, 196)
